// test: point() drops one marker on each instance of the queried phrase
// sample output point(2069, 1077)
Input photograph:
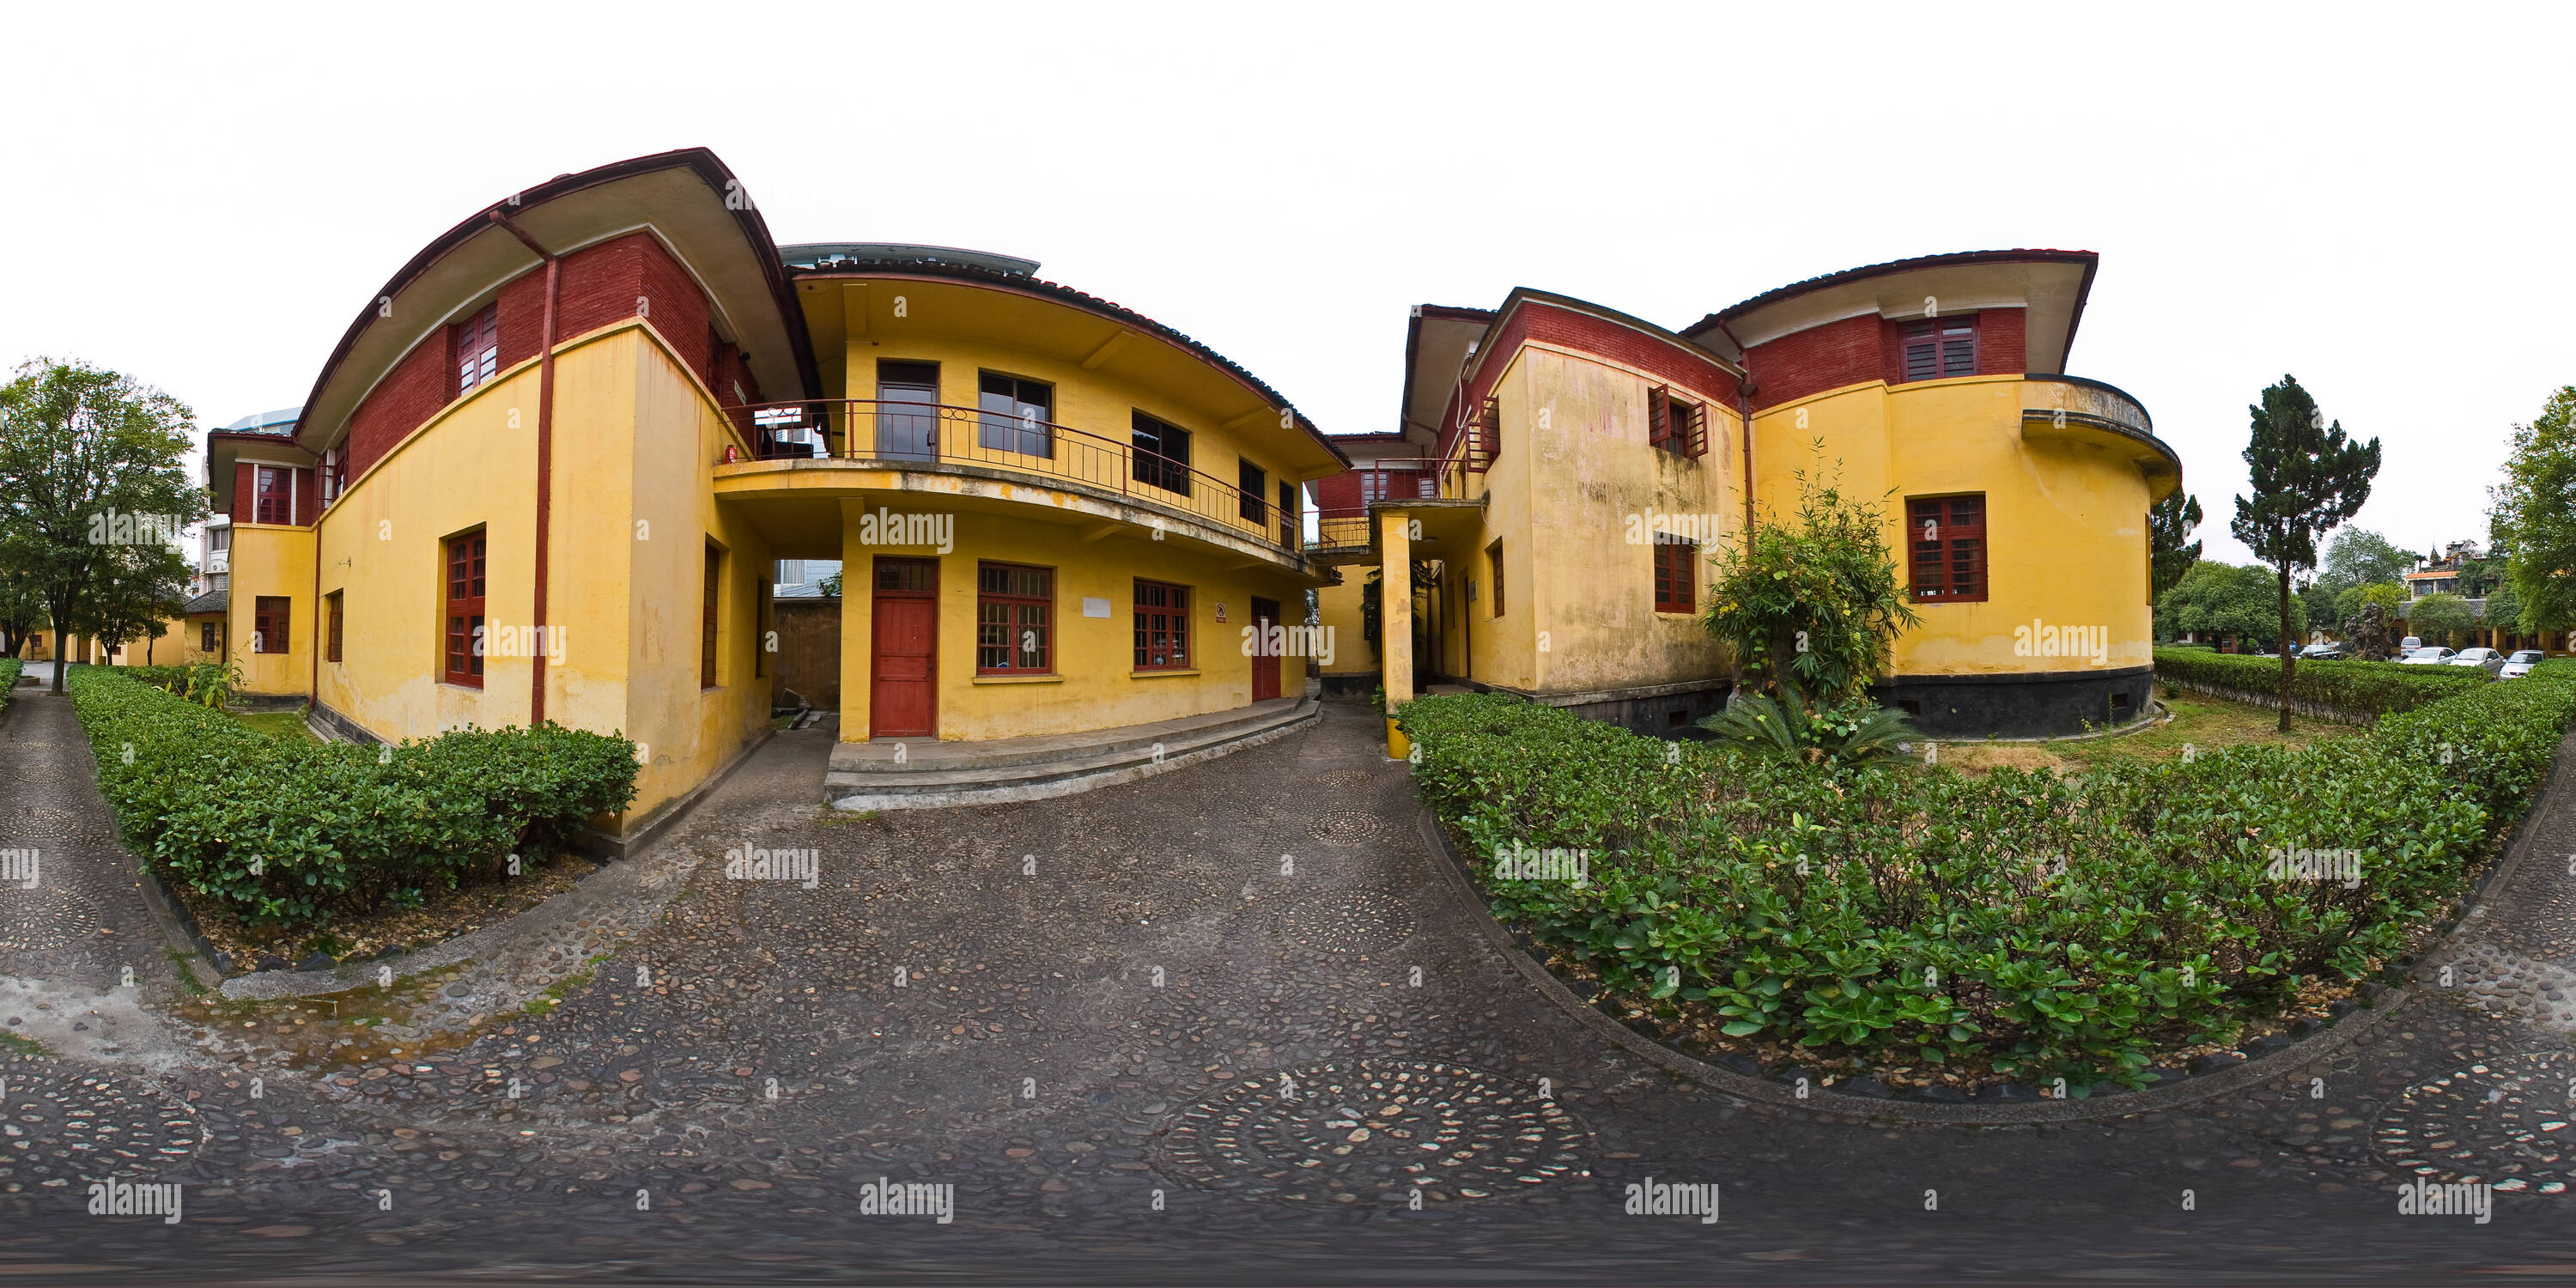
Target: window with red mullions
point(1946, 538)
point(276, 496)
point(1012, 607)
point(268, 623)
point(465, 611)
point(1941, 347)
point(1162, 626)
point(478, 348)
point(1676, 563)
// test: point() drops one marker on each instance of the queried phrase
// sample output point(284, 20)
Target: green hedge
point(293, 832)
point(9, 669)
point(2360, 688)
point(2056, 927)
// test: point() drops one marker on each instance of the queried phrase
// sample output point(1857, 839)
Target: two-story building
point(1587, 465)
point(550, 470)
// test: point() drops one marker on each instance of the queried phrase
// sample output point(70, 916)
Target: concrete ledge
point(333, 726)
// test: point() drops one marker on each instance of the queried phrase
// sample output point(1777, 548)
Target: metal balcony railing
point(902, 434)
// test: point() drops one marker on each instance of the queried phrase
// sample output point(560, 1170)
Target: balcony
point(2074, 409)
point(1108, 477)
point(1421, 487)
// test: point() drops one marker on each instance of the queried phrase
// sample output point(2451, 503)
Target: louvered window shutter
point(1659, 417)
point(1699, 430)
point(1922, 358)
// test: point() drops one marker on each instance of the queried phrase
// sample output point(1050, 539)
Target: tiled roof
point(1895, 266)
point(213, 601)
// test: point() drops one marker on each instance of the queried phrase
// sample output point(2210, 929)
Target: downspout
point(545, 466)
point(1744, 407)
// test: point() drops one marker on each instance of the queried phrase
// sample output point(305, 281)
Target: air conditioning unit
point(219, 561)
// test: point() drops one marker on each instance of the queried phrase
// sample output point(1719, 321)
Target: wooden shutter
point(1659, 417)
point(1696, 441)
point(1941, 347)
point(1489, 429)
point(1922, 351)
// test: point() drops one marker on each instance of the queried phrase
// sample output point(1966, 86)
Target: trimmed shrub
point(293, 832)
point(2353, 687)
point(9, 669)
point(2049, 926)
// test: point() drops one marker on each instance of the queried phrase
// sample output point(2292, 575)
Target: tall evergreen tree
point(2534, 516)
point(2168, 523)
point(2306, 480)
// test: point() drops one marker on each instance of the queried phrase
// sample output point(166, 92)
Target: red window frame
point(463, 575)
point(332, 603)
point(1676, 574)
point(270, 616)
point(1937, 348)
point(1162, 626)
point(1946, 546)
point(205, 637)
point(273, 494)
point(1494, 561)
point(478, 349)
point(1011, 601)
point(1676, 425)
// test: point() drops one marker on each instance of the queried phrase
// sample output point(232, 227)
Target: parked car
point(2520, 664)
point(2436, 656)
point(2485, 657)
point(2324, 653)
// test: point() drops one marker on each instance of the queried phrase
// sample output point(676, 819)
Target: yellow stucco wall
point(1095, 685)
point(1340, 609)
point(2066, 522)
point(634, 436)
point(271, 559)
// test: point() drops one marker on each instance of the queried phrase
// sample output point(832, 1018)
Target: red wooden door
point(903, 692)
point(1265, 659)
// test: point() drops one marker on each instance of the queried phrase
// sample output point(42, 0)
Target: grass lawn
point(277, 724)
point(2199, 721)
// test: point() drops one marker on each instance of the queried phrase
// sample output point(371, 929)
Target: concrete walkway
point(1222, 1023)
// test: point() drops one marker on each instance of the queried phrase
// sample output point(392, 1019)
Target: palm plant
point(1852, 732)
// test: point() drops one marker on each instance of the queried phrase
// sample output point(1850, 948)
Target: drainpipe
point(545, 465)
point(1744, 406)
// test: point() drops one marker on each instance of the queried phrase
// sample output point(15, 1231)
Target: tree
point(2350, 605)
point(2533, 516)
point(1811, 606)
point(2361, 557)
point(2227, 601)
point(2168, 523)
point(2306, 480)
point(2439, 618)
point(22, 603)
point(80, 449)
point(136, 590)
point(2504, 609)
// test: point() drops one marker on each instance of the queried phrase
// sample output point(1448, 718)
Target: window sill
point(1019, 679)
point(1158, 674)
point(461, 688)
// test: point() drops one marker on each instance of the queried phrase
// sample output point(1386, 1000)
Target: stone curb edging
point(2353, 1026)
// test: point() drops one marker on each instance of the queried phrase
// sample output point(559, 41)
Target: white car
point(2520, 664)
point(2434, 656)
point(2486, 657)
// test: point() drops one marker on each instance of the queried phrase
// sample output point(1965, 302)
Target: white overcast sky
point(2376, 200)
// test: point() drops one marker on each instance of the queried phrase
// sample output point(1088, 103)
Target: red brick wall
point(1868, 348)
point(1588, 334)
point(1819, 358)
point(418, 386)
point(598, 285)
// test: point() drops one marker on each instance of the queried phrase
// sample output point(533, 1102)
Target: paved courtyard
point(1227, 1023)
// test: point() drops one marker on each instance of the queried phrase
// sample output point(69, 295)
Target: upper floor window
point(1015, 416)
point(275, 493)
point(1941, 347)
point(478, 348)
point(1675, 425)
point(219, 539)
point(1251, 481)
point(1162, 455)
point(1947, 539)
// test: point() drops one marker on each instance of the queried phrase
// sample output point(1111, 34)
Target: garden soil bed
point(386, 932)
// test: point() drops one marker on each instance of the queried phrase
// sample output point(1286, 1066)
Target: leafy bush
point(291, 832)
point(9, 668)
point(208, 684)
point(1857, 729)
point(2054, 927)
point(2356, 687)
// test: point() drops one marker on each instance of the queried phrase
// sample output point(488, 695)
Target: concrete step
point(930, 756)
point(1119, 760)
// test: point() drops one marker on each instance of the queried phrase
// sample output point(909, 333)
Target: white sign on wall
point(1095, 607)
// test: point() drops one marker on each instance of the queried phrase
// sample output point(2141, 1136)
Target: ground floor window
point(464, 616)
point(331, 604)
point(1162, 626)
point(205, 637)
point(1676, 564)
point(1014, 608)
point(1946, 538)
point(268, 624)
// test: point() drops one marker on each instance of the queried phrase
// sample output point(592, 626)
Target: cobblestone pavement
point(1220, 1025)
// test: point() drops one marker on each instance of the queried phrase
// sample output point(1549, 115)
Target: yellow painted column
point(858, 587)
point(1395, 617)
